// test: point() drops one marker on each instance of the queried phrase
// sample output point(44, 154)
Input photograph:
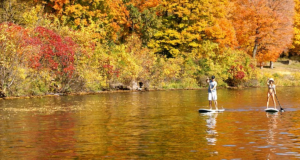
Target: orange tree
point(263, 28)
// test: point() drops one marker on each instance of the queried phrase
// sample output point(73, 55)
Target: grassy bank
point(284, 73)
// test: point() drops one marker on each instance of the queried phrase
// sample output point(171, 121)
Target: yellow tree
point(77, 14)
point(186, 23)
point(119, 18)
point(133, 17)
point(295, 48)
point(12, 10)
point(12, 56)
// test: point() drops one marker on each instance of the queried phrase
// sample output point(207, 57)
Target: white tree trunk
point(271, 65)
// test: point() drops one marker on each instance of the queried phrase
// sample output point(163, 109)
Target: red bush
point(55, 52)
point(239, 75)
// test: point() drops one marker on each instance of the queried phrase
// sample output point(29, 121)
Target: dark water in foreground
point(151, 125)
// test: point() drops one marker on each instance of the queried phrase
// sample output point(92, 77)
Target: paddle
point(281, 109)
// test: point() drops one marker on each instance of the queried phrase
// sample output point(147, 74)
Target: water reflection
point(211, 123)
point(150, 125)
point(271, 134)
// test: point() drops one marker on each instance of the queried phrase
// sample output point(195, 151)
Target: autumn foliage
point(69, 45)
point(264, 28)
point(56, 53)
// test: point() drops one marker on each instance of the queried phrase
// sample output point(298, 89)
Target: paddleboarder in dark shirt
point(212, 91)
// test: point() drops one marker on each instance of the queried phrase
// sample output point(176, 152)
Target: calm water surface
point(151, 125)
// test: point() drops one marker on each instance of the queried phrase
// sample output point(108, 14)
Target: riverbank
point(93, 93)
point(286, 72)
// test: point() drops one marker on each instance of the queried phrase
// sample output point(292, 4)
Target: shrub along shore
point(285, 75)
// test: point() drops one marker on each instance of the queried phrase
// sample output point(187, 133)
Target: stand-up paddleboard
point(271, 110)
point(210, 110)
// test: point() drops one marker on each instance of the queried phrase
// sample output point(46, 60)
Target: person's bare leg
point(216, 104)
point(210, 105)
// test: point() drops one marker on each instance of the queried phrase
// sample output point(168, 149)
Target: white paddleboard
point(210, 110)
point(271, 110)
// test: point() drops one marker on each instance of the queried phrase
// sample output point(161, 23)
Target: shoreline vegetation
point(286, 73)
point(55, 48)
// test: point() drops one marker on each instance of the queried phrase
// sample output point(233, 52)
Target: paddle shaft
point(277, 100)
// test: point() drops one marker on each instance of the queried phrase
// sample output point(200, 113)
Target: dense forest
point(65, 46)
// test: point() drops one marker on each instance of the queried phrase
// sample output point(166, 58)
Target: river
point(151, 125)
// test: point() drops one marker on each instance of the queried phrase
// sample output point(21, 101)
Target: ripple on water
point(229, 145)
point(268, 146)
point(283, 133)
point(289, 154)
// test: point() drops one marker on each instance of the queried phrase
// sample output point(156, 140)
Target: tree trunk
point(271, 65)
point(255, 43)
point(254, 50)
